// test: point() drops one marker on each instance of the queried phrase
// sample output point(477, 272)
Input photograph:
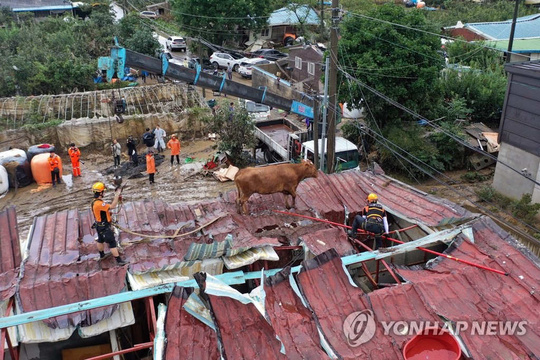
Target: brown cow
point(271, 179)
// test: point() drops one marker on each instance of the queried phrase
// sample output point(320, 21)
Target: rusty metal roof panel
point(333, 238)
point(187, 337)
point(242, 330)
point(53, 274)
point(10, 253)
point(291, 320)
point(463, 293)
point(332, 298)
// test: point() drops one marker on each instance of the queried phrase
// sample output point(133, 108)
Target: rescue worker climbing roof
point(102, 215)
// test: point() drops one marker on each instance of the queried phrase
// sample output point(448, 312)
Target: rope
point(175, 235)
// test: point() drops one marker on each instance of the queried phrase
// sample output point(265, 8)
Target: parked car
point(148, 14)
point(176, 43)
point(246, 66)
point(269, 54)
point(221, 60)
point(172, 59)
point(257, 111)
point(206, 64)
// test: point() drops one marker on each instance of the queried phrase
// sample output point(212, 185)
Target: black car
point(269, 54)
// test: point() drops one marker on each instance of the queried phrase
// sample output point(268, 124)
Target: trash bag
point(39, 149)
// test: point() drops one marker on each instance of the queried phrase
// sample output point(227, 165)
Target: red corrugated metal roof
point(464, 293)
point(332, 298)
point(187, 337)
point(291, 320)
point(10, 253)
point(332, 238)
point(243, 332)
point(328, 194)
point(52, 274)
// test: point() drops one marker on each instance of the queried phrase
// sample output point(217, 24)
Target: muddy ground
point(176, 184)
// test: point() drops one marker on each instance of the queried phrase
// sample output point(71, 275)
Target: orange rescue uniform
point(174, 145)
point(75, 155)
point(101, 211)
point(54, 162)
point(150, 164)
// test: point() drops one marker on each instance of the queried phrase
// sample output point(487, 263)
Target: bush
point(523, 209)
point(473, 176)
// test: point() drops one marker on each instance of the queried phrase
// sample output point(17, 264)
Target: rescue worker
point(75, 155)
point(174, 145)
point(372, 218)
point(102, 215)
point(150, 165)
point(54, 166)
point(117, 151)
point(160, 135)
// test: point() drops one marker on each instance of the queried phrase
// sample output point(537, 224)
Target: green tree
point(235, 128)
point(401, 63)
point(221, 21)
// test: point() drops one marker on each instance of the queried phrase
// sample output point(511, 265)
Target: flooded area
point(176, 184)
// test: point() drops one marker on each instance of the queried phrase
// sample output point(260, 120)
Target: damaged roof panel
point(10, 252)
point(187, 337)
point(291, 320)
point(464, 293)
point(323, 240)
point(53, 275)
point(332, 298)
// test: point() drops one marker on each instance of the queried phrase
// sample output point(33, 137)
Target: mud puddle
point(173, 184)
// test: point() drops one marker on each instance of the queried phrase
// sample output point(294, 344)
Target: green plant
point(523, 209)
point(42, 125)
point(472, 177)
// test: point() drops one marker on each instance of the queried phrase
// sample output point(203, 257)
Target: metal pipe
point(401, 242)
point(125, 351)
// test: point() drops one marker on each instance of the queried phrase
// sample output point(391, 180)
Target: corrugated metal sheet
point(12, 330)
point(291, 320)
point(242, 330)
point(526, 27)
point(53, 275)
point(10, 253)
point(187, 337)
point(328, 195)
point(323, 240)
point(464, 293)
point(331, 297)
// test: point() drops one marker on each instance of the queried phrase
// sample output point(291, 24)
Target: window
point(298, 63)
point(311, 68)
point(265, 32)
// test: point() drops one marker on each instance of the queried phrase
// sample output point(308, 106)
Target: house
point(41, 8)
point(306, 66)
point(526, 45)
point(284, 24)
point(162, 8)
point(519, 133)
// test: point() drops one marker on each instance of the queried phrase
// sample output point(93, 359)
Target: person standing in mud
point(54, 166)
point(117, 151)
point(75, 156)
point(174, 145)
point(160, 135)
point(132, 150)
point(150, 165)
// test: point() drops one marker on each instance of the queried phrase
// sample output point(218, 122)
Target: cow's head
point(309, 169)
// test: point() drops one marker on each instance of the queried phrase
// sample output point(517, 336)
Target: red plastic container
point(433, 345)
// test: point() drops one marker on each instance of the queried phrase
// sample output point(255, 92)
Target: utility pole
point(315, 132)
point(325, 112)
point(322, 17)
point(332, 88)
point(512, 31)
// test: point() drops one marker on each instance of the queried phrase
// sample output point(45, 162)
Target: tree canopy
point(223, 21)
point(59, 55)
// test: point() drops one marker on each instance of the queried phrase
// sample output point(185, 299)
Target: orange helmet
point(372, 197)
point(98, 187)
